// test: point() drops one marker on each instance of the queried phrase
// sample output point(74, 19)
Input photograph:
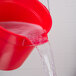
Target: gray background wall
point(62, 39)
point(63, 36)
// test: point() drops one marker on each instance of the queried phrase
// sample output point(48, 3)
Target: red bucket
point(14, 48)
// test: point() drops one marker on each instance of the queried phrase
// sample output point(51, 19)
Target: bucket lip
point(17, 36)
point(21, 37)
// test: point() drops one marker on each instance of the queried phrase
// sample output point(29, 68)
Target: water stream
point(46, 55)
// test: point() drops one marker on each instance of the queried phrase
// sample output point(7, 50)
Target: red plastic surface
point(12, 51)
